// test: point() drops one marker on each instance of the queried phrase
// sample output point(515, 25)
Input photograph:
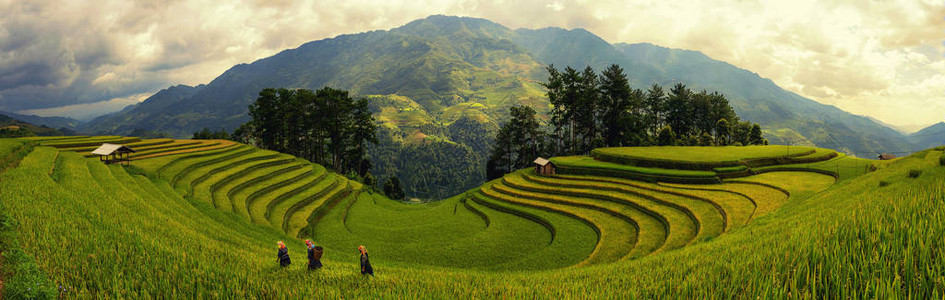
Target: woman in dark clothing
point(283, 255)
point(365, 263)
point(314, 255)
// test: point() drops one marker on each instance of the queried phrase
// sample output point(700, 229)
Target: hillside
point(930, 136)
point(51, 122)
point(14, 127)
point(202, 220)
point(433, 72)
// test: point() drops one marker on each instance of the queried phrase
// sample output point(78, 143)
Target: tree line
point(591, 110)
point(326, 127)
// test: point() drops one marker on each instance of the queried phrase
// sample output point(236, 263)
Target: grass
point(842, 166)
point(706, 218)
point(652, 214)
point(209, 181)
point(709, 156)
point(589, 166)
point(618, 232)
point(257, 180)
point(221, 189)
point(124, 232)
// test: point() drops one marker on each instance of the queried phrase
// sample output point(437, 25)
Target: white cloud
point(87, 111)
point(878, 58)
point(556, 6)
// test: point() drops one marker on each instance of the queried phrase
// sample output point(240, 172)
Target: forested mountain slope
point(445, 83)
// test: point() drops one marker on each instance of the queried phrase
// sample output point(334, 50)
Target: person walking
point(365, 263)
point(283, 255)
point(314, 255)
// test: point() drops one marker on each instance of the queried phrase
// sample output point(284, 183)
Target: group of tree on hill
point(326, 127)
point(591, 110)
point(207, 134)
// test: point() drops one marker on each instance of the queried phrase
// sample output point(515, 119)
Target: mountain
point(15, 127)
point(783, 114)
point(52, 122)
point(434, 80)
point(929, 137)
point(146, 115)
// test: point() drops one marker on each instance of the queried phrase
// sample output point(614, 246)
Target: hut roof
point(541, 161)
point(109, 149)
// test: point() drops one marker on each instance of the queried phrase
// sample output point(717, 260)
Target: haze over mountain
point(53, 122)
point(929, 137)
point(433, 72)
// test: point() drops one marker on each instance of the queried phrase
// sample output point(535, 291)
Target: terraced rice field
point(627, 218)
point(198, 219)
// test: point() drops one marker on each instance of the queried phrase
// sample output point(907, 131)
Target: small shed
point(886, 156)
point(544, 166)
point(111, 153)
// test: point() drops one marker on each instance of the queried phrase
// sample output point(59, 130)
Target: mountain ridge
point(441, 69)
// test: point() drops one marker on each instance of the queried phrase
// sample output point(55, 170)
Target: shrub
point(941, 160)
point(914, 173)
point(883, 183)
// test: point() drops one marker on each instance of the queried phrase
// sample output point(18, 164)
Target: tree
point(206, 134)
point(363, 130)
point(705, 139)
point(754, 136)
point(393, 189)
point(326, 127)
point(721, 132)
point(666, 136)
point(655, 108)
point(616, 105)
point(677, 110)
point(369, 181)
point(740, 134)
point(516, 144)
point(586, 109)
point(265, 121)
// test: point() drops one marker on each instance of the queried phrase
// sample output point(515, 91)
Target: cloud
point(880, 58)
point(87, 111)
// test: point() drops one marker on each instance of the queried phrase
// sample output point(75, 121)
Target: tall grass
point(101, 232)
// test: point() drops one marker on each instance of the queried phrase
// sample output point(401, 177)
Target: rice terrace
point(384, 150)
point(195, 219)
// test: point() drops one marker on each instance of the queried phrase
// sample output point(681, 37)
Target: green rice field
point(200, 219)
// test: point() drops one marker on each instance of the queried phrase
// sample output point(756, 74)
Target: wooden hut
point(111, 153)
point(886, 156)
point(544, 166)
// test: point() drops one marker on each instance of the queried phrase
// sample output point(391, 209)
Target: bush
point(914, 173)
point(941, 160)
point(883, 183)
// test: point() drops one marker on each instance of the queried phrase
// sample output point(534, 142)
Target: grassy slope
point(856, 237)
point(703, 154)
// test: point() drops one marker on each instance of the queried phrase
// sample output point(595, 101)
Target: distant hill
point(52, 122)
point(430, 73)
point(14, 127)
point(929, 137)
point(144, 115)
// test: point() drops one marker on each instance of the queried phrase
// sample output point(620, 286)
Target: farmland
point(201, 218)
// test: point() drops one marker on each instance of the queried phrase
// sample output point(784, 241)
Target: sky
point(880, 58)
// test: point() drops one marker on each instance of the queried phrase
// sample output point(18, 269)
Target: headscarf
point(309, 243)
point(281, 244)
point(362, 249)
